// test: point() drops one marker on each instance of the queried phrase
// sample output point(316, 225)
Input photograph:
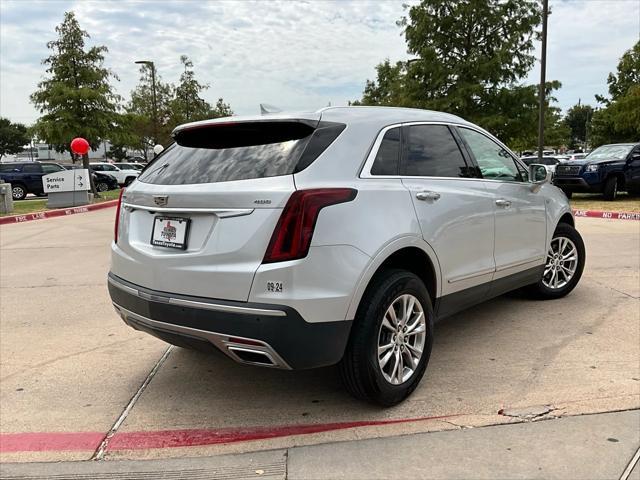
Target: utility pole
point(152, 65)
point(543, 72)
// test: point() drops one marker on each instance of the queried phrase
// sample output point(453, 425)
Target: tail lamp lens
point(292, 236)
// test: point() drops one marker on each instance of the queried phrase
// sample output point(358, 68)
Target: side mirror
point(539, 174)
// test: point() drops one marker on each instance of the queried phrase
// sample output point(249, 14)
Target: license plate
point(170, 232)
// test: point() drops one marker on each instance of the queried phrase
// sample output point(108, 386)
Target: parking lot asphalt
point(69, 367)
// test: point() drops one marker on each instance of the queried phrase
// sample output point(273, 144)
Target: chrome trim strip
point(201, 305)
point(220, 212)
point(227, 308)
point(471, 275)
point(366, 169)
point(519, 263)
point(119, 285)
point(222, 341)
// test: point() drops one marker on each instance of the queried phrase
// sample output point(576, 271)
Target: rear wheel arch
point(404, 255)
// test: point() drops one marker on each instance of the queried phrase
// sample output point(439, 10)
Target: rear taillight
point(117, 224)
point(292, 236)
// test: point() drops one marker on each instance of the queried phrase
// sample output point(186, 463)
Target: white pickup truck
point(124, 176)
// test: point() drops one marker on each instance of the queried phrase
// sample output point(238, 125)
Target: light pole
point(152, 65)
point(543, 72)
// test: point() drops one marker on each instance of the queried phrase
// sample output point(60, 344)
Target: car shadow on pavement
point(197, 390)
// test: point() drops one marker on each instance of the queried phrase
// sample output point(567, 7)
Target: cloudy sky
point(298, 55)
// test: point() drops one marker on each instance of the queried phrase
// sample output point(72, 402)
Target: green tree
point(76, 98)
point(221, 109)
point(577, 120)
point(13, 136)
point(619, 120)
point(469, 56)
point(146, 128)
point(188, 105)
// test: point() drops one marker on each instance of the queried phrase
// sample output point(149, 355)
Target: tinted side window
point(51, 168)
point(96, 168)
point(433, 152)
point(32, 168)
point(386, 162)
point(494, 161)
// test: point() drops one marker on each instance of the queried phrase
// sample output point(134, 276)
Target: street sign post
point(67, 188)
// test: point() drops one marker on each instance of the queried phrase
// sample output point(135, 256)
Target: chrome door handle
point(501, 202)
point(427, 195)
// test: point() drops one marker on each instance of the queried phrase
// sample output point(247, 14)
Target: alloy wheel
point(561, 265)
point(401, 339)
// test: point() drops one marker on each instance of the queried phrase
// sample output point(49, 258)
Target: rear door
point(633, 169)
point(520, 211)
point(228, 183)
point(32, 177)
point(454, 209)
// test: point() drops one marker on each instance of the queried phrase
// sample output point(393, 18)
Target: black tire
point(102, 187)
point(610, 191)
point(360, 370)
point(568, 194)
point(18, 191)
point(543, 292)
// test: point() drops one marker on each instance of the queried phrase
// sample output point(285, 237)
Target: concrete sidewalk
point(597, 446)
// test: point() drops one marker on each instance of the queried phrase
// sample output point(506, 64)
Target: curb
point(607, 215)
point(56, 213)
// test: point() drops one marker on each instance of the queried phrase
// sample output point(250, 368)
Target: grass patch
point(22, 207)
point(624, 203)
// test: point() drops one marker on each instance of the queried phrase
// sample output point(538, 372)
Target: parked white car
point(339, 236)
point(124, 175)
point(551, 162)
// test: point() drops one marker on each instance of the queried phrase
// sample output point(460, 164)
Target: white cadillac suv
point(339, 236)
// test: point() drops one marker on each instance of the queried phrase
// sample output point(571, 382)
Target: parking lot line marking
point(60, 441)
point(632, 463)
point(99, 453)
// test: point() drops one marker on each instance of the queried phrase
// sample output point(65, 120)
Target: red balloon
point(79, 146)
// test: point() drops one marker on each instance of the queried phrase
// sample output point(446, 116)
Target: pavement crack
point(615, 289)
point(527, 414)
point(64, 357)
point(102, 448)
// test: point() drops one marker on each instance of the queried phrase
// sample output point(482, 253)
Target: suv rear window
point(240, 151)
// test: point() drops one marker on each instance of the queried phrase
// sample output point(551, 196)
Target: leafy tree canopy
point(619, 120)
point(469, 57)
point(75, 98)
point(13, 136)
point(577, 120)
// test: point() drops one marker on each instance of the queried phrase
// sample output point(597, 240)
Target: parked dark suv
point(26, 177)
point(607, 170)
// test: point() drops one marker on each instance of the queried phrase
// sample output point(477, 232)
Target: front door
point(520, 211)
point(455, 212)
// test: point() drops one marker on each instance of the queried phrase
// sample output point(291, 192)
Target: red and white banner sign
point(27, 217)
point(609, 215)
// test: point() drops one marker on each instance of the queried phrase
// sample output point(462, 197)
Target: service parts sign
point(66, 181)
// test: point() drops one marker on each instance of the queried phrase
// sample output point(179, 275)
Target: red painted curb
point(609, 215)
point(47, 442)
point(56, 213)
point(65, 441)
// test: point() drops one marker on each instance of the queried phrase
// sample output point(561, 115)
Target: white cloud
point(297, 55)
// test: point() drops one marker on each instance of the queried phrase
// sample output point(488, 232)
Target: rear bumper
point(259, 334)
